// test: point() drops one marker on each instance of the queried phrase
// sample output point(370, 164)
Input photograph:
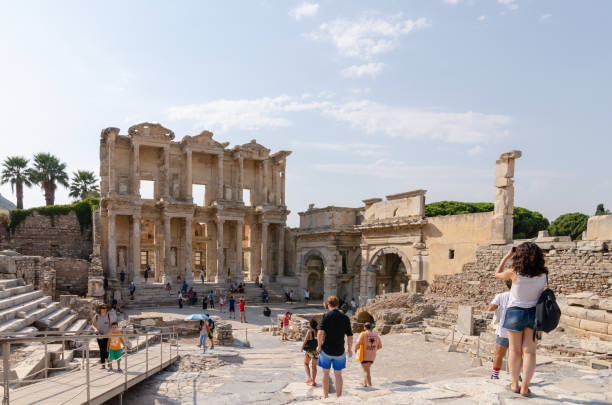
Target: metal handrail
point(85, 338)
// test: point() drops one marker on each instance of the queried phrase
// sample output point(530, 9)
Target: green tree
point(572, 224)
point(83, 185)
point(15, 171)
point(527, 223)
point(47, 172)
point(600, 210)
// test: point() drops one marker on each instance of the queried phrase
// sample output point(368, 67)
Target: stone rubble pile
point(393, 313)
point(223, 333)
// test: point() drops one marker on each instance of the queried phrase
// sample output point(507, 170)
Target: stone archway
point(314, 268)
point(390, 271)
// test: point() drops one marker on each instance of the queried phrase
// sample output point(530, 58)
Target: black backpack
point(548, 312)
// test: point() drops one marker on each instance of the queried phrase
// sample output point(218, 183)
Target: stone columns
point(365, 291)
point(239, 266)
point(112, 246)
point(282, 185)
point(166, 189)
point(281, 250)
point(220, 195)
point(136, 169)
point(240, 177)
point(501, 232)
point(188, 176)
point(111, 166)
point(277, 186)
point(220, 253)
point(167, 260)
point(188, 249)
point(264, 181)
point(136, 247)
point(264, 253)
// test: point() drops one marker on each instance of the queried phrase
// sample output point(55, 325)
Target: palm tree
point(15, 171)
point(83, 185)
point(47, 172)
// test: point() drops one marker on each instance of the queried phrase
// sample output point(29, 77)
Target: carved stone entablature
point(106, 132)
point(151, 130)
point(394, 223)
point(280, 157)
point(203, 142)
point(254, 150)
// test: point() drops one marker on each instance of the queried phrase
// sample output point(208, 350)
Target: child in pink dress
point(369, 342)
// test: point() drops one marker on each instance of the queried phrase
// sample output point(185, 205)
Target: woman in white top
point(529, 278)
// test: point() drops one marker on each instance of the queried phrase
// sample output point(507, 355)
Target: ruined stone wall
point(573, 267)
point(70, 274)
point(40, 235)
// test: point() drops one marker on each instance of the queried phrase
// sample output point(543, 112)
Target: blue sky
point(373, 98)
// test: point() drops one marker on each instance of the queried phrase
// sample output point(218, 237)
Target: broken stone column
point(501, 232)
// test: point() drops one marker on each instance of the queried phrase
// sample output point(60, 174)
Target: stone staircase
point(23, 309)
point(155, 294)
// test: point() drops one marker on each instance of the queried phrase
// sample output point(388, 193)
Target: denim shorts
point(502, 341)
point(337, 362)
point(517, 319)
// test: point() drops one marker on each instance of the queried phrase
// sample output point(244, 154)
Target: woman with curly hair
point(529, 278)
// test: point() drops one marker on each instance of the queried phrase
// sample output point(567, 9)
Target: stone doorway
point(316, 270)
point(391, 274)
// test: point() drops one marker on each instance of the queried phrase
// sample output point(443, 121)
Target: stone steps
point(12, 282)
point(19, 299)
point(21, 310)
point(78, 325)
point(54, 317)
point(9, 292)
point(64, 323)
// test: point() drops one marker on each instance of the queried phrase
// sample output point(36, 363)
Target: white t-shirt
point(501, 300)
point(306, 294)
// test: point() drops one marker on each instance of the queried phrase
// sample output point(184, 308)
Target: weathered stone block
point(465, 319)
point(570, 321)
point(598, 315)
point(576, 312)
point(584, 299)
point(594, 326)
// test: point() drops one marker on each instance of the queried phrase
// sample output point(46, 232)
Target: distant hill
point(6, 204)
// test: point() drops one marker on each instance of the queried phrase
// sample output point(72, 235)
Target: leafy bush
point(82, 209)
point(601, 210)
point(526, 223)
point(572, 224)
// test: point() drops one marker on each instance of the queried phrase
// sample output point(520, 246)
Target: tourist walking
point(114, 347)
point(211, 299)
point(132, 289)
point(368, 343)
point(306, 296)
point(101, 325)
point(232, 307)
point(285, 332)
point(309, 346)
point(204, 331)
point(146, 273)
point(180, 299)
point(500, 304)
point(204, 302)
point(241, 305)
point(122, 276)
point(202, 274)
point(211, 327)
point(221, 303)
point(330, 339)
point(169, 288)
point(353, 306)
point(529, 277)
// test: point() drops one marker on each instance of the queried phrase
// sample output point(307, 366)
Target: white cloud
point(545, 17)
point(368, 36)
point(476, 150)
point(365, 90)
point(482, 18)
point(304, 10)
point(364, 115)
point(410, 123)
point(368, 69)
point(356, 148)
point(451, 2)
point(510, 4)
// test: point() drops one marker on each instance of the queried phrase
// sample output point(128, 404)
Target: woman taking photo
point(309, 346)
point(529, 278)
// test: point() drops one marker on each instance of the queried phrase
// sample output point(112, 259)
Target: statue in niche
point(121, 263)
point(173, 256)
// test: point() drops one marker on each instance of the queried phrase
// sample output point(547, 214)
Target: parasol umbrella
point(196, 317)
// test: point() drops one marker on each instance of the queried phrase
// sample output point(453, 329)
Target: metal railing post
point(46, 360)
point(87, 371)
point(125, 381)
point(161, 350)
point(6, 368)
point(147, 354)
